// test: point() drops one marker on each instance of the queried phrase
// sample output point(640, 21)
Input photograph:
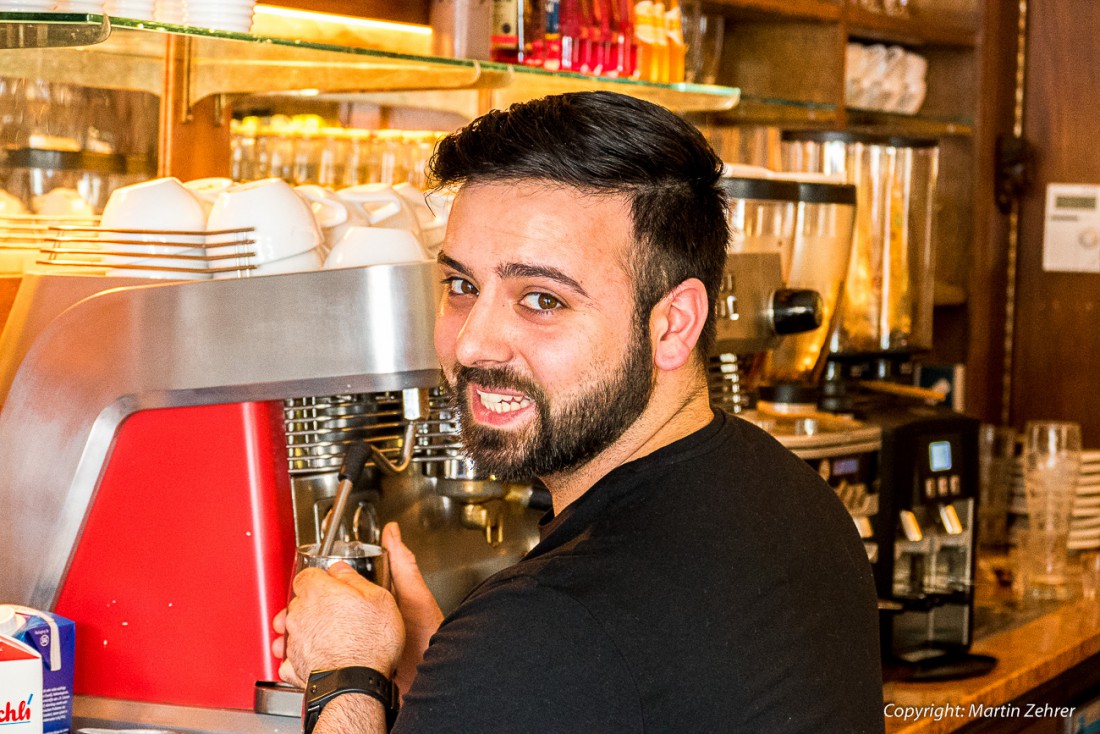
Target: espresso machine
point(928, 468)
point(147, 484)
point(781, 293)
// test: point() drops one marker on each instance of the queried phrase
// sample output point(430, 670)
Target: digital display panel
point(846, 466)
point(1075, 202)
point(939, 455)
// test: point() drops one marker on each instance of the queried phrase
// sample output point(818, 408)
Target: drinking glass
point(369, 561)
point(1052, 463)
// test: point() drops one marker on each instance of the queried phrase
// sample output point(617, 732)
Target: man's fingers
point(287, 674)
point(278, 647)
point(412, 592)
point(279, 623)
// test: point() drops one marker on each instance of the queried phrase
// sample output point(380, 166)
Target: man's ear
point(676, 323)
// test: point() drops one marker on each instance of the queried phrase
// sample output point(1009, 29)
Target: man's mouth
point(502, 402)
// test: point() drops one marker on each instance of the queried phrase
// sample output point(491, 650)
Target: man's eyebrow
point(524, 270)
point(450, 262)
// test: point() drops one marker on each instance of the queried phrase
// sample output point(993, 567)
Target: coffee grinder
point(928, 473)
point(788, 255)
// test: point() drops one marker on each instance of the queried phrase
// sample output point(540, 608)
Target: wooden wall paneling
point(801, 61)
point(988, 253)
point(1057, 358)
point(952, 82)
point(405, 11)
point(194, 137)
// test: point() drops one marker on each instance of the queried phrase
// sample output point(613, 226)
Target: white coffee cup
point(62, 202)
point(166, 220)
point(300, 263)
point(380, 205)
point(282, 221)
point(362, 246)
point(431, 212)
point(332, 213)
point(10, 204)
point(206, 190)
point(157, 205)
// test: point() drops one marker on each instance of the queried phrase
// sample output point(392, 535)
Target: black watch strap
point(325, 685)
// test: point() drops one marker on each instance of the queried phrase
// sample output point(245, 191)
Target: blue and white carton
point(52, 639)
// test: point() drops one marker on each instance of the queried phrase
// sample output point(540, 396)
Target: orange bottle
point(659, 71)
point(645, 38)
point(677, 49)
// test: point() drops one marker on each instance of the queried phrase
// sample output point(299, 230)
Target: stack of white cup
point(171, 11)
point(137, 9)
point(28, 6)
point(80, 6)
point(222, 15)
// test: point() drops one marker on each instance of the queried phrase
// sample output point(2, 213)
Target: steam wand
point(391, 468)
point(354, 461)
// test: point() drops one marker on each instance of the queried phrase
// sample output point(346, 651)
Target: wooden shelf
point(911, 125)
point(909, 31)
point(821, 10)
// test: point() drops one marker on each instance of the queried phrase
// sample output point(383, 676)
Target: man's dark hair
point(605, 143)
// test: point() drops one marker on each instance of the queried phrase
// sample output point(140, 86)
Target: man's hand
point(419, 610)
point(337, 619)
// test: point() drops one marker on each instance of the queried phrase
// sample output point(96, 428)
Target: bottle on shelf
point(677, 50)
point(645, 40)
point(534, 32)
point(659, 69)
point(552, 59)
point(574, 36)
point(506, 40)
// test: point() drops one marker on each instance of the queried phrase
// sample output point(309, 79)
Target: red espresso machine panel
point(184, 558)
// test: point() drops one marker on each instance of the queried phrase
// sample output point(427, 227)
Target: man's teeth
point(503, 403)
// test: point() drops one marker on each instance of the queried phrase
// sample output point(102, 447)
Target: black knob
point(795, 311)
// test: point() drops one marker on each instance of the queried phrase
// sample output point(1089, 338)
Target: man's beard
point(561, 437)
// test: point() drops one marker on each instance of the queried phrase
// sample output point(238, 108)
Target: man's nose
point(483, 338)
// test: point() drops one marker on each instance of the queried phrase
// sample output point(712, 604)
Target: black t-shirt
point(716, 584)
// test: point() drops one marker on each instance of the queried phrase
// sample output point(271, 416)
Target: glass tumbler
point(1052, 463)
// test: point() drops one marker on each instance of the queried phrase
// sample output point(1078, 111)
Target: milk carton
point(52, 638)
point(20, 681)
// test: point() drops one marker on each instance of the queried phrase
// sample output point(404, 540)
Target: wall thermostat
point(1071, 236)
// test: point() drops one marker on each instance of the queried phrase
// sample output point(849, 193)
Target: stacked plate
point(171, 11)
point(80, 6)
point(137, 9)
point(1084, 527)
point(27, 6)
point(222, 15)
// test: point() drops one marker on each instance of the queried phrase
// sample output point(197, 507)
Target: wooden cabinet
point(782, 67)
point(788, 59)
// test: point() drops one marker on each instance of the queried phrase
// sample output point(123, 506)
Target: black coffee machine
point(925, 532)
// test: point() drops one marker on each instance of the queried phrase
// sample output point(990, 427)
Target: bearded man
point(693, 575)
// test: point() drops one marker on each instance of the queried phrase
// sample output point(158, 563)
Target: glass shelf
point(132, 53)
point(52, 30)
point(773, 111)
point(912, 125)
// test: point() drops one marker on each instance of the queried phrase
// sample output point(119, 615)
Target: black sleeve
point(520, 658)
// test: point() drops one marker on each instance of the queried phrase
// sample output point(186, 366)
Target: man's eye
point(541, 302)
point(459, 286)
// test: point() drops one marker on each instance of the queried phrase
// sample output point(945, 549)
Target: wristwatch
point(325, 685)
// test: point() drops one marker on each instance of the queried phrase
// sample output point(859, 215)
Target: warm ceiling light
point(345, 20)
